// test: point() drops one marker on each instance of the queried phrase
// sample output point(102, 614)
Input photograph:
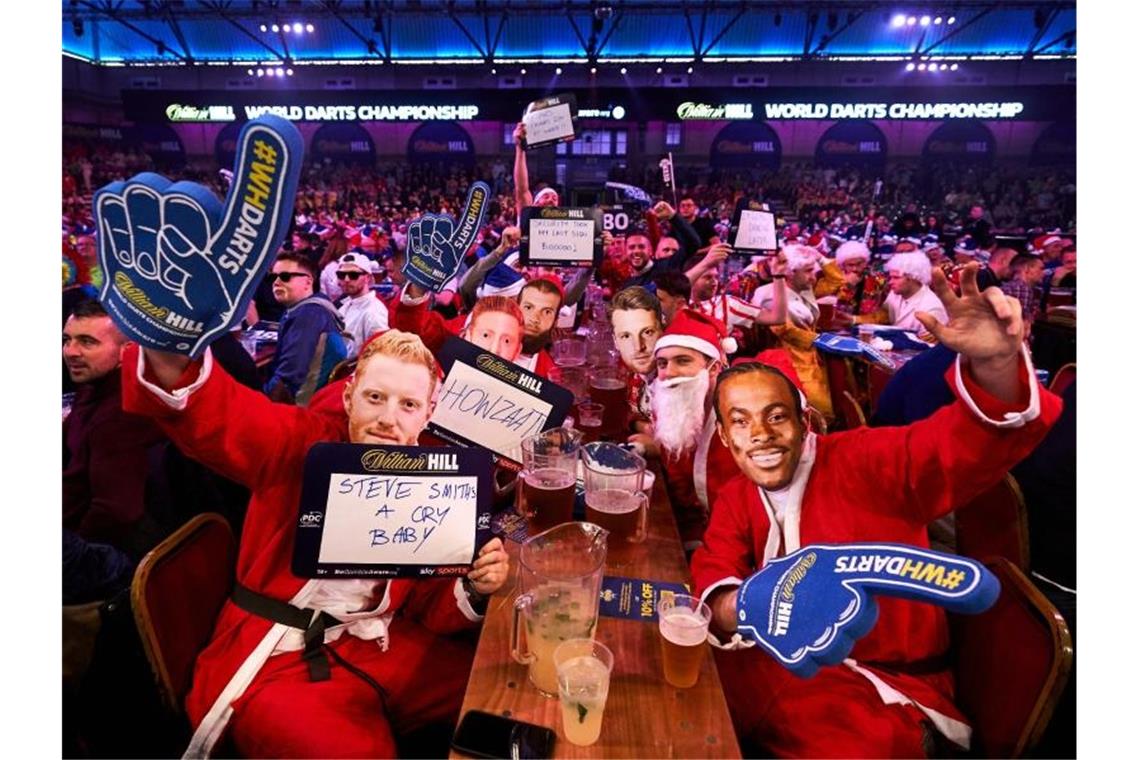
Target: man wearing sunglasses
point(309, 341)
point(363, 313)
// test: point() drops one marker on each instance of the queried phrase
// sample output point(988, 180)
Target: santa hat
point(699, 332)
point(852, 249)
point(1041, 241)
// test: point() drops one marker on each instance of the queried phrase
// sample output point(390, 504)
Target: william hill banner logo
point(492, 365)
point(381, 460)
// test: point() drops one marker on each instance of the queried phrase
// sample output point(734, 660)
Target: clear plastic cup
point(584, 668)
point(684, 625)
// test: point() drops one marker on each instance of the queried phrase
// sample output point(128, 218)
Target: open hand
point(983, 326)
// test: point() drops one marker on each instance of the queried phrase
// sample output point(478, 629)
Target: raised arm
point(478, 273)
point(523, 197)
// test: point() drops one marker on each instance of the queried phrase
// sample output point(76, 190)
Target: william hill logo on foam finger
point(809, 608)
point(182, 266)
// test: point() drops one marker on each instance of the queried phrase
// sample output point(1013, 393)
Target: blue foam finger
point(181, 266)
point(809, 608)
point(437, 242)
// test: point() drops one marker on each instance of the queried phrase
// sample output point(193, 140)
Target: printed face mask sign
point(756, 232)
point(809, 608)
point(550, 120)
point(372, 511)
point(553, 236)
point(488, 402)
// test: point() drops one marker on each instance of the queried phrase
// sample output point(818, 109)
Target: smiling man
point(894, 694)
point(375, 658)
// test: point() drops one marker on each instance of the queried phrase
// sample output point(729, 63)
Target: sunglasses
point(354, 276)
point(286, 277)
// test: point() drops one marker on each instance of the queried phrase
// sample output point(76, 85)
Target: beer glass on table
point(569, 352)
point(615, 499)
point(584, 668)
point(574, 379)
point(548, 478)
point(590, 416)
point(609, 386)
point(684, 625)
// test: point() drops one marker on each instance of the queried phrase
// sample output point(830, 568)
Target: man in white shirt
point(908, 276)
point(364, 314)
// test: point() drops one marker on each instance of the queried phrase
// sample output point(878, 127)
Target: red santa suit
point(694, 477)
point(251, 676)
point(870, 484)
point(413, 315)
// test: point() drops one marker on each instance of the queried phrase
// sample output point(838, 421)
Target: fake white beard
point(679, 411)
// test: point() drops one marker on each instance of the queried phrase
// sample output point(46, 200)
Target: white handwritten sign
point(488, 402)
point(399, 520)
point(757, 231)
point(550, 120)
point(371, 511)
point(556, 236)
point(489, 412)
point(562, 239)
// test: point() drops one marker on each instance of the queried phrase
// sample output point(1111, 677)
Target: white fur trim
point(737, 641)
point(701, 460)
point(178, 397)
point(954, 730)
point(464, 603)
point(689, 341)
point(1012, 419)
point(407, 300)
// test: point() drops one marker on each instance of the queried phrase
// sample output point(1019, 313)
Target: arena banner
point(92, 132)
point(960, 142)
point(440, 141)
point(347, 143)
point(1056, 145)
point(158, 141)
point(746, 144)
point(225, 144)
point(987, 103)
point(852, 143)
point(383, 511)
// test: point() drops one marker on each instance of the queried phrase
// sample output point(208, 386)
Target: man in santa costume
point(313, 668)
point(894, 695)
point(688, 357)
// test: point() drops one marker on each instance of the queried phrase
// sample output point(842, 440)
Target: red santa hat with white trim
point(699, 332)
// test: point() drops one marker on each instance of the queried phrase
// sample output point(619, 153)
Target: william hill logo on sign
point(377, 460)
point(492, 365)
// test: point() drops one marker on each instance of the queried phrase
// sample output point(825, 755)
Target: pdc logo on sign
point(311, 520)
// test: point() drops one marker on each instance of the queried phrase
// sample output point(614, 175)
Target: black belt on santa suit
point(313, 623)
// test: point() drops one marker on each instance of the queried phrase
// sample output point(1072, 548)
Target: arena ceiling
point(490, 32)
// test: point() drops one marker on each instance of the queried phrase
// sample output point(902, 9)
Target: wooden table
point(644, 716)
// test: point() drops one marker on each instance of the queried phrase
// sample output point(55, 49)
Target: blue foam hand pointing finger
point(809, 608)
point(181, 266)
point(437, 243)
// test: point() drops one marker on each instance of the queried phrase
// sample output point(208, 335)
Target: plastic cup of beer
point(590, 420)
point(584, 668)
point(609, 386)
point(574, 379)
point(866, 333)
point(684, 625)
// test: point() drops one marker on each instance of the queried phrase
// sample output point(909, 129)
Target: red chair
point(850, 412)
point(1011, 664)
point(840, 379)
point(995, 524)
point(877, 378)
point(177, 592)
point(1065, 377)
